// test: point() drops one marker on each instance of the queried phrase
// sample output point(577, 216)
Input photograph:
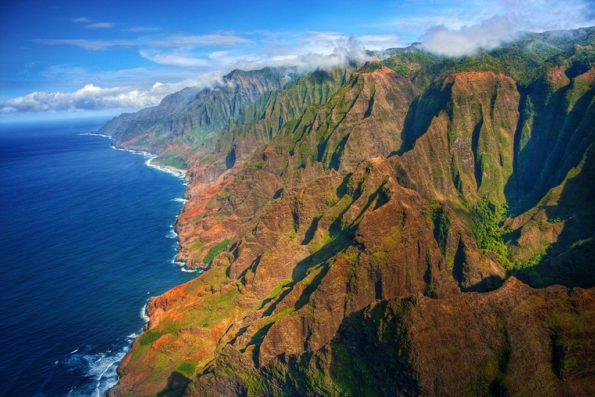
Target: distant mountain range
point(415, 225)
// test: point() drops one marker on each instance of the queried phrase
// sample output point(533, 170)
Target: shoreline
point(177, 172)
point(96, 134)
point(173, 171)
point(181, 175)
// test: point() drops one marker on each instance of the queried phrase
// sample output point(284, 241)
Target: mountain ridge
point(369, 201)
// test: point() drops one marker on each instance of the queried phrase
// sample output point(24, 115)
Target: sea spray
point(180, 200)
point(99, 368)
point(143, 313)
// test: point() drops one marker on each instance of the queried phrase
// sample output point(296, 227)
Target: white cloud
point(215, 39)
point(93, 45)
point(71, 78)
point(89, 97)
point(322, 55)
point(218, 54)
point(92, 97)
point(507, 21)
point(306, 52)
point(380, 42)
point(101, 25)
point(173, 59)
point(186, 41)
point(137, 87)
point(81, 20)
point(468, 39)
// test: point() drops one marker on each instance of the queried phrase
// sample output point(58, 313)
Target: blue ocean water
point(85, 239)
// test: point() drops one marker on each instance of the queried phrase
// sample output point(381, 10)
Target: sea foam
point(149, 162)
point(172, 233)
point(99, 368)
point(95, 134)
point(143, 313)
point(175, 172)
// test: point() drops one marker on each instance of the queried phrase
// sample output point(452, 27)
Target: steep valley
point(414, 225)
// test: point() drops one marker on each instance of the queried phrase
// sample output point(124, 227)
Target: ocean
point(86, 238)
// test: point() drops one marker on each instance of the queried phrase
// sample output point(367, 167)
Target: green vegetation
point(215, 308)
point(171, 159)
point(577, 90)
point(291, 234)
point(186, 368)
point(278, 288)
point(487, 218)
point(149, 337)
point(358, 253)
point(215, 250)
point(197, 245)
point(441, 227)
point(152, 335)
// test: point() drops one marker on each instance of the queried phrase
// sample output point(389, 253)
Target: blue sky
point(65, 58)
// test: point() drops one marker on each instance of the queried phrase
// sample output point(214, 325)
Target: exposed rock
point(355, 232)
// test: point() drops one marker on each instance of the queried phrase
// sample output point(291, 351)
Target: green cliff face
point(184, 120)
point(381, 230)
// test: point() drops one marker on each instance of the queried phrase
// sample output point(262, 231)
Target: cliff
point(183, 121)
point(382, 230)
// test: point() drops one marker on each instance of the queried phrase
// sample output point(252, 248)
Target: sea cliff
point(416, 225)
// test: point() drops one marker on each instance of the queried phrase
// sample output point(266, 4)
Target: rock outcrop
point(380, 231)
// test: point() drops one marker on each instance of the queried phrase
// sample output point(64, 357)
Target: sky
point(65, 59)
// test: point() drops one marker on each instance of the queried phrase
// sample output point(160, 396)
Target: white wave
point(180, 200)
point(175, 172)
point(99, 368)
point(95, 134)
point(181, 174)
point(183, 267)
point(172, 233)
point(143, 313)
point(147, 155)
point(177, 263)
point(74, 351)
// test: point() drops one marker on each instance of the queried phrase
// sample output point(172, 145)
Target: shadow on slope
point(570, 261)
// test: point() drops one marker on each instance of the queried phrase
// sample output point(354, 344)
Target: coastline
point(177, 172)
point(173, 171)
point(181, 175)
